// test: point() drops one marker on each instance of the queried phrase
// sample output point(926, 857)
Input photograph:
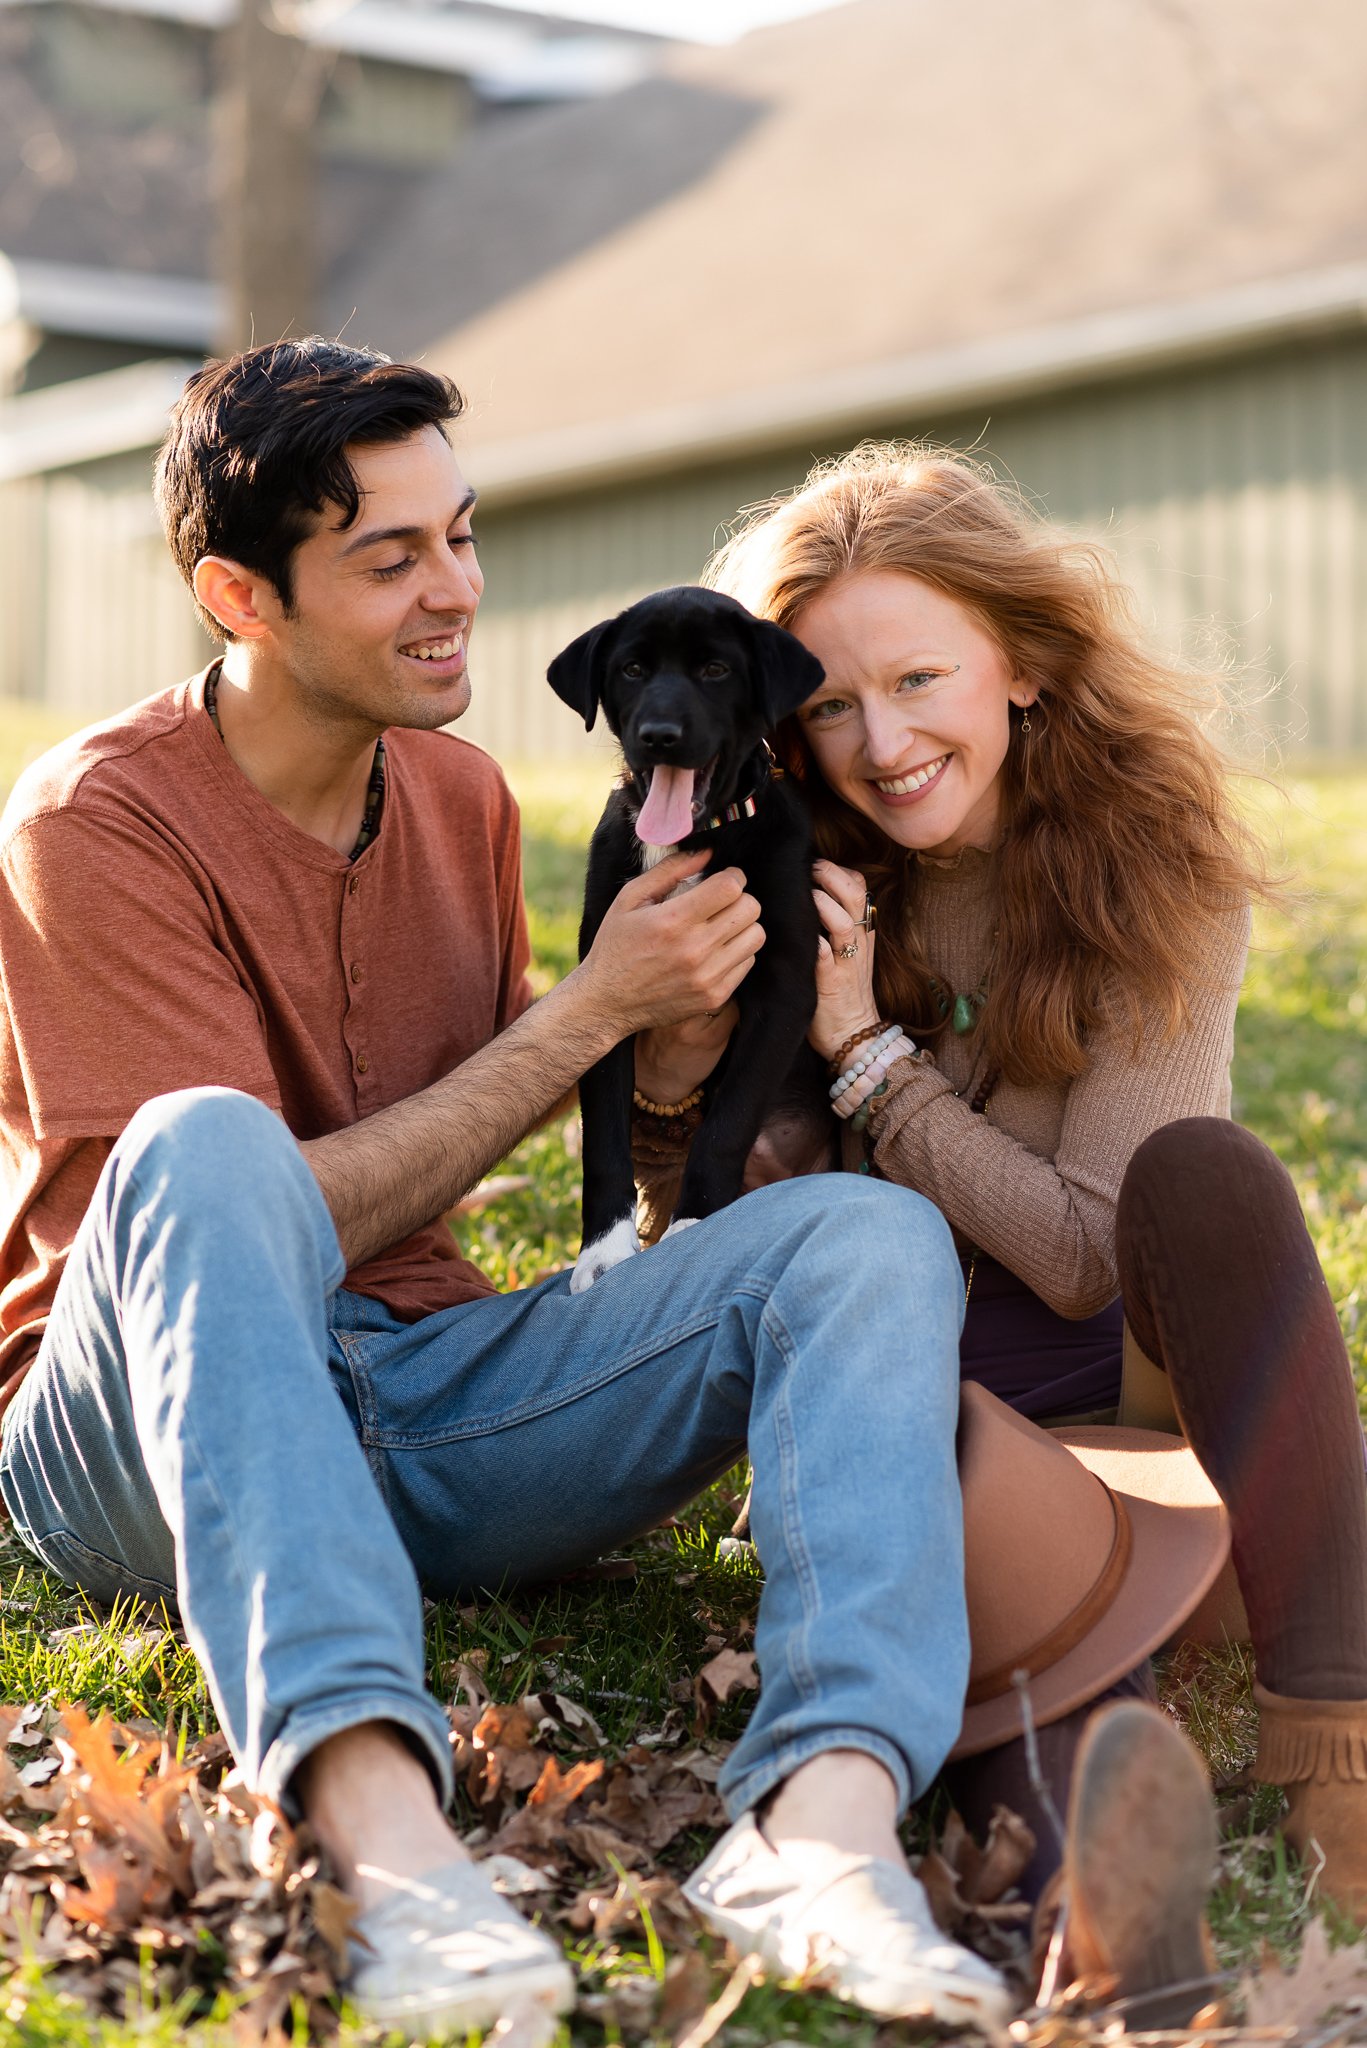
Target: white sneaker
point(446, 1953)
point(863, 1930)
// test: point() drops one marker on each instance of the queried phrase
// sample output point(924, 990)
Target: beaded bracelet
point(860, 1091)
point(666, 1108)
point(860, 1120)
point(837, 1059)
point(866, 1055)
point(873, 1081)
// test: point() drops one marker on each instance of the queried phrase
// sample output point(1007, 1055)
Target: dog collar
point(746, 806)
point(730, 815)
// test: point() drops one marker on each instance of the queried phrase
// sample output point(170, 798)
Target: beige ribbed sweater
point(1034, 1180)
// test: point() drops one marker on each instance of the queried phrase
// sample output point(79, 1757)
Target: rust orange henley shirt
point(163, 926)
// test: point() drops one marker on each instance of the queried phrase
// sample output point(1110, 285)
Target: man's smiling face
point(382, 610)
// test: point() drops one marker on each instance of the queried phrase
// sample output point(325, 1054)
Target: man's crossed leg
point(211, 1421)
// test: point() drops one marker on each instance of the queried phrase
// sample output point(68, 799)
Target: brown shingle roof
point(889, 177)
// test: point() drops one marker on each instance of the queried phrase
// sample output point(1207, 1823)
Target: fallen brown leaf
point(686, 1994)
point(1322, 1981)
point(729, 1671)
point(604, 1911)
point(746, 1973)
point(334, 1915)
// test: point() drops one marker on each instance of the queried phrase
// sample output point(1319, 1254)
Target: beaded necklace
point(374, 796)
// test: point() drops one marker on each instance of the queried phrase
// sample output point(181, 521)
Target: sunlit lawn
point(1300, 1081)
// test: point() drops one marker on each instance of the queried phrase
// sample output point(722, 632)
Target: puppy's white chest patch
point(651, 856)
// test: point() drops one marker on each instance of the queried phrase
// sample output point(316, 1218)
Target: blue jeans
point(212, 1421)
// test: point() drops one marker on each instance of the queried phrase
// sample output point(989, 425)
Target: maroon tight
point(1222, 1288)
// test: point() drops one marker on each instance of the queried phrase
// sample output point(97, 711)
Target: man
point(264, 964)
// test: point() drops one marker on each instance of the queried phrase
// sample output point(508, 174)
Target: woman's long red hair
point(1121, 852)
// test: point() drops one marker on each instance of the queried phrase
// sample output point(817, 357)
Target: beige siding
point(93, 614)
point(1235, 496)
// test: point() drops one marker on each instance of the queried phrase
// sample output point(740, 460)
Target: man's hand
point(659, 959)
point(652, 963)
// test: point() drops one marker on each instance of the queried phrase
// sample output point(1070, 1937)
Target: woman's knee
point(1183, 1168)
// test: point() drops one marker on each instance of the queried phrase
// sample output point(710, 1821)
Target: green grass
point(1301, 1082)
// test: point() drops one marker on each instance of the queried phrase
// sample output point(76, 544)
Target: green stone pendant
point(965, 1014)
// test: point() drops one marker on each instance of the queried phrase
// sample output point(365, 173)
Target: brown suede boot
point(1316, 1750)
point(1138, 1864)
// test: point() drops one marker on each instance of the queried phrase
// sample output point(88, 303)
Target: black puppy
point(690, 682)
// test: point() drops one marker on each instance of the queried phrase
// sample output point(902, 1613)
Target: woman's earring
point(1025, 721)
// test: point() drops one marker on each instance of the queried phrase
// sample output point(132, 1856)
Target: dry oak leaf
point(1323, 1980)
point(542, 1824)
point(729, 1671)
point(505, 1760)
point(604, 1913)
point(107, 1789)
point(654, 1798)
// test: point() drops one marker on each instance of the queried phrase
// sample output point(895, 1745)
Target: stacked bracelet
point(666, 1109)
point(837, 1061)
point(863, 1060)
point(869, 1075)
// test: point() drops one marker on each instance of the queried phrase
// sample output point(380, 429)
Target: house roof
point(504, 56)
point(87, 189)
point(891, 182)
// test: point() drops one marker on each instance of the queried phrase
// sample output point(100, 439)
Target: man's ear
point(786, 673)
point(576, 674)
point(233, 595)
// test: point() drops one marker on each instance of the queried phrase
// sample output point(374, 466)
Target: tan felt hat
point(1084, 1550)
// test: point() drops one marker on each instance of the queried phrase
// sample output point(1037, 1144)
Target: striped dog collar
point(732, 813)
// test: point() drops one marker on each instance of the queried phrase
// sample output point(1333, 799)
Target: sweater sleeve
point(1052, 1221)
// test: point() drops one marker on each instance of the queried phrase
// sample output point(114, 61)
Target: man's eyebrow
point(390, 533)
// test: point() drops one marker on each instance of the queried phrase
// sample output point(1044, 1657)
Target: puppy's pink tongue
point(666, 816)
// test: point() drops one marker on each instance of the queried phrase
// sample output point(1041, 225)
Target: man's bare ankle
point(372, 1804)
point(843, 1799)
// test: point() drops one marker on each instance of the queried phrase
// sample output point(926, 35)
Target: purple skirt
point(1038, 1362)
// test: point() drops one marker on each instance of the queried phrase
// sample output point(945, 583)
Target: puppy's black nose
point(662, 735)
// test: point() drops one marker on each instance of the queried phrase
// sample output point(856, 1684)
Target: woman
point(1015, 792)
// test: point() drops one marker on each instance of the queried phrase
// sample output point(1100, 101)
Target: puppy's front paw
point(603, 1254)
point(681, 1223)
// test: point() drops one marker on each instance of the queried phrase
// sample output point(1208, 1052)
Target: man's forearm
point(389, 1175)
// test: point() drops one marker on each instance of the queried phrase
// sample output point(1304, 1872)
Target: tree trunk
point(268, 241)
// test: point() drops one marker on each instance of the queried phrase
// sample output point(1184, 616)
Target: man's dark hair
point(257, 448)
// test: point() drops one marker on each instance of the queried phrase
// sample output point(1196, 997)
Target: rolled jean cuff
point(741, 1795)
point(424, 1721)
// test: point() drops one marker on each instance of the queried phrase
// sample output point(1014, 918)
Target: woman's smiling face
point(912, 723)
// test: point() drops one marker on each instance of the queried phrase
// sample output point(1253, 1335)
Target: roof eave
point(116, 412)
point(927, 384)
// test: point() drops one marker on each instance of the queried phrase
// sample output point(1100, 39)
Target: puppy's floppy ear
point(576, 674)
point(785, 672)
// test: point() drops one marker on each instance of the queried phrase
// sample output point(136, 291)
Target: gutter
point(113, 305)
point(113, 413)
point(848, 403)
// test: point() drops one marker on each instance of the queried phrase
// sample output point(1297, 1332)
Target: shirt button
point(355, 971)
point(362, 1064)
point(353, 884)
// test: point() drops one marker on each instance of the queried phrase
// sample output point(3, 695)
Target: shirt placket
point(354, 926)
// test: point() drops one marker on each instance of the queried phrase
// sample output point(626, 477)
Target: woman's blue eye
point(918, 677)
point(831, 707)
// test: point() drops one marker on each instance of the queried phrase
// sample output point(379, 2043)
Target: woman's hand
point(674, 1059)
point(844, 962)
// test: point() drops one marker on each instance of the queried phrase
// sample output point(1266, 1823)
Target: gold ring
point(848, 952)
